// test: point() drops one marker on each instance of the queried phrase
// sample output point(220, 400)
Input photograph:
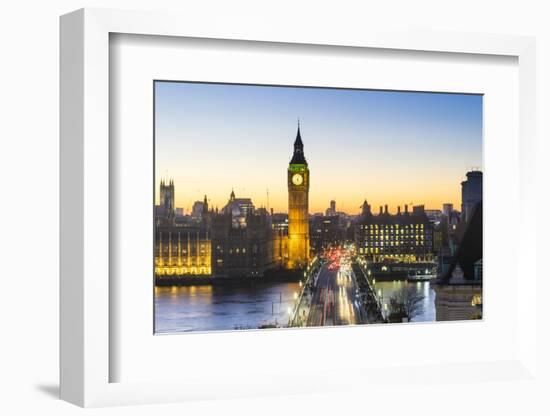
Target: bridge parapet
point(375, 310)
point(298, 316)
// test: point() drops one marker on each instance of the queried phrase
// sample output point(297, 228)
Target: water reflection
point(427, 313)
point(212, 308)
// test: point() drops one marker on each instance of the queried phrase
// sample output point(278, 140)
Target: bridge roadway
point(334, 298)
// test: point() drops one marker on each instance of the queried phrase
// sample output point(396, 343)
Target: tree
point(405, 303)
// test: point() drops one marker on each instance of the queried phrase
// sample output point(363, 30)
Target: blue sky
point(387, 147)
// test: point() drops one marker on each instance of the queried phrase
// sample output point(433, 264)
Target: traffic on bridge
point(332, 294)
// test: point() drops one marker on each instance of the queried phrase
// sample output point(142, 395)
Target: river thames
point(223, 307)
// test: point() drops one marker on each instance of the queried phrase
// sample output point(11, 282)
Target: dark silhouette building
point(247, 250)
point(326, 231)
point(331, 210)
point(472, 193)
point(239, 209)
point(459, 289)
point(165, 211)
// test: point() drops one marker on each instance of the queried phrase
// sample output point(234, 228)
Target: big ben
point(298, 207)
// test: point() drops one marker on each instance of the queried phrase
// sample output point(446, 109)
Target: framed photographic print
point(238, 209)
point(240, 245)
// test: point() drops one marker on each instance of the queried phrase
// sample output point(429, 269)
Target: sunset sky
point(390, 148)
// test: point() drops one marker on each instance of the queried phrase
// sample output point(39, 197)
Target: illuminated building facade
point(403, 237)
point(239, 241)
point(298, 207)
point(182, 251)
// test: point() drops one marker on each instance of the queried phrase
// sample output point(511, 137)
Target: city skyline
point(391, 148)
point(376, 209)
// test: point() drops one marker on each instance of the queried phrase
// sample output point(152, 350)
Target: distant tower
point(332, 209)
point(298, 206)
point(472, 193)
point(167, 195)
point(206, 215)
point(365, 209)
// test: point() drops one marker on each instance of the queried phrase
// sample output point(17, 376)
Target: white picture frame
point(87, 356)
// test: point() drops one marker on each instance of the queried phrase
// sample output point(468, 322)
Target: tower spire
point(298, 156)
point(298, 141)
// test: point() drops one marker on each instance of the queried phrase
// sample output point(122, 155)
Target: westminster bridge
point(337, 291)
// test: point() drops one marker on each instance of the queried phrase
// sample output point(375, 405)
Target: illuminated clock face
point(297, 179)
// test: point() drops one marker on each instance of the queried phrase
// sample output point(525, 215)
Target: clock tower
point(298, 207)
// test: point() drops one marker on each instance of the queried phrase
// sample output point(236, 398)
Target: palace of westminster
point(243, 241)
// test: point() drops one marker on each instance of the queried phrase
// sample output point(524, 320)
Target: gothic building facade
point(238, 241)
point(181, 251)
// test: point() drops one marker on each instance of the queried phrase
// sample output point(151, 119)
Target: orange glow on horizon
point(347, 199)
